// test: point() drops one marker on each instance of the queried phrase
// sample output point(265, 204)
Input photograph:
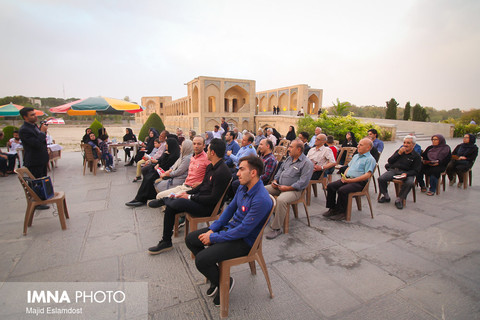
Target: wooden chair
point(349, 155)
point(467, 174)
point(89, 160)
point(192, 222)
point(255, 254)
point(33, 200)
point(284, 143)
point(313, 185)
point(373, 176)
point(442, 181)
point(286, 222)
point(357, 196)
point(279, 152)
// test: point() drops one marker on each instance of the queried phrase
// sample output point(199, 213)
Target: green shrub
point(95, 126)
point(153, 121)
point(461, 129)
point(8, 134)
point(337, 126)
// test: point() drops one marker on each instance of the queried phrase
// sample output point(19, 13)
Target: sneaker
point(181, 222)
point(383, 199)
point(273, 234)
point(162, 246)
point(212, 290)
point(107, 169)
point(216, 300)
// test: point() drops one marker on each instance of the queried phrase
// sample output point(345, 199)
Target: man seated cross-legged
point(234, 233)
point(356, 176)
point(200, 200)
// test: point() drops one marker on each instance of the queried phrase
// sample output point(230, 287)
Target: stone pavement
point(421, 262)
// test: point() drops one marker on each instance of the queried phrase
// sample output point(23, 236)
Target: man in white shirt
point(271, 137)
point(321, 156)
point(217, 132)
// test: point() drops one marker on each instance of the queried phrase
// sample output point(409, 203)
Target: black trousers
point(458, 167)
point(343, 189)
point(38, 171)
point(147, 190)
point(207, 259)
point(174, 206)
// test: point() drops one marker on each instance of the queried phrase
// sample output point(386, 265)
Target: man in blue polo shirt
point(232, 146)
point(359, 170)
point(234, 233)
point(247, 149)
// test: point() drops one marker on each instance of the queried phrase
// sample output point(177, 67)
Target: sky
point(364, 52)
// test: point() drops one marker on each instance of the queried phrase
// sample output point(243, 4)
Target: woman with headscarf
point(349, 141)
point(129, 137)
point(291, 134)
point(151, 173)
point(147, 147)
point(463, 157)
point(86, 136)
point(434, 161)
point(177, 174)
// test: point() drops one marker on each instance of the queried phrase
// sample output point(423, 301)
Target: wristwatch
point(189, 197)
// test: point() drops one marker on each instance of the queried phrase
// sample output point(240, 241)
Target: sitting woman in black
point(349, 141)
point(434, 161)
point(150, 173)
point(86, 136)
point(146, 148)
point(129, 137)
point(463, 157)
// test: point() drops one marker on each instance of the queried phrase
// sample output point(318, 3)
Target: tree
point(419, 113)
point(153, 121)
point(391, 109)
point(407, 112)
point(341, 108)
point(95, 126)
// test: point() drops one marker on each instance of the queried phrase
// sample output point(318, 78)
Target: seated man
point(271, 136)
point(321, 157)
point(269, 161)
point(196, 172)
point(232, 146)
point(199, 201)
point(318, 130)
point(304, 137)
point(234, 233)
point(289, 182)
point(377, 143)
point(356, 176)
point(217, 132)
point(247, 149)
point(405, 162)
point(259, 137)
point(13, 144)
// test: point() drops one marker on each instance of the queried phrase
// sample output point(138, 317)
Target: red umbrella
point(64, 107)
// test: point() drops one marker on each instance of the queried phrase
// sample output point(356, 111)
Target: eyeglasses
point(434, 139)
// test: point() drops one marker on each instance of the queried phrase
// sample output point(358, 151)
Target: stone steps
point(420, 136)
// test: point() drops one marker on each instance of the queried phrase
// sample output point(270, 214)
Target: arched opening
point(293, 101)
point(195, 99)
point(263, 104)
point(272, 101)
point(226, 107)
point(245, 125)
point(211, 104)
point(283, 102)
point(312, 104)
point(238, 96)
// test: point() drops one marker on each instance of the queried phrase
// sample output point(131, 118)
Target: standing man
point(217, 132)
point(224, 126)
point(318, 130)
point(359, 170)
point(232, 146)
point(377, 143)
point(34, 141)
point(321, 157)
point(303, 136)
point(406, 163)
point(234, 233)
point(289, 182)
point(199, 201)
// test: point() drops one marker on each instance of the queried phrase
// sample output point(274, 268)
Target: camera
point(43, 122)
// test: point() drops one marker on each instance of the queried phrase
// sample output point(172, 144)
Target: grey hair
point(414, 139)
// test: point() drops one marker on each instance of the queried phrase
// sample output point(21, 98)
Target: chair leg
point(263, 266)
point(253, 270)
point(414, 194)
point(306, 211)
point(224, 291)
point(359, 203)
point(65, 209)
point(295, 210)
point(287, 221)
point(443, 181)
point(61, 214)
point(175, 226)
point(370, 205)
point(349, 208)
point(28, 213)
point(309, 193)
point(30, 218)
point(375, 184)
point(315, 191)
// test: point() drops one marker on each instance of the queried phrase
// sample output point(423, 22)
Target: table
point(114, 147)
point(54, 153)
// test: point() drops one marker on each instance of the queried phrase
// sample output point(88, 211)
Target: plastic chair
point(286, 222)
point(349, 155)
point(284, 143)
point(440, 181)
point(279, 152)
point(313, 185)
point(467, 174)
point(33, 200)
point(357, 196)
point(89, 160)
point(255, 254)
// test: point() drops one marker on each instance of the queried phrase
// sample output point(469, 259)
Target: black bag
point(43, 187)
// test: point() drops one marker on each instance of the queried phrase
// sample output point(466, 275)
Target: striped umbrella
point(94, 105)
point(13, 110)
point(64, 107)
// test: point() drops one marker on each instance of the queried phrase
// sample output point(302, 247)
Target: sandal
point(423, 189)
point(137, 179)
point(430, 193)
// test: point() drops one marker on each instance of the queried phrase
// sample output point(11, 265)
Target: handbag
point(43, 187)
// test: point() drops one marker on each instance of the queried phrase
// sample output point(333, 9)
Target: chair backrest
point(274, 172)
point(216, 210)
point(284, 143)
point(349, 154)
point(88, 152)
point(279, 152)
point(258, 242)
point(29, 193)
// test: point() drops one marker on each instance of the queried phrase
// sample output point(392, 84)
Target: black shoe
point(129, 164)
point(212, 290)
point(42, 207)
point(162, 246)
point(135, 203)
point(216, 300)
point(399, 204)
point(383, 199)
point(330, 212)
point(156, 203)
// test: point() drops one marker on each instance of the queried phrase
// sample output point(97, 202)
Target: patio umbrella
point(94, 105)
point(13, 110)
point(64, 107)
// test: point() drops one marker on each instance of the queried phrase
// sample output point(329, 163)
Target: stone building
point(210, 98)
